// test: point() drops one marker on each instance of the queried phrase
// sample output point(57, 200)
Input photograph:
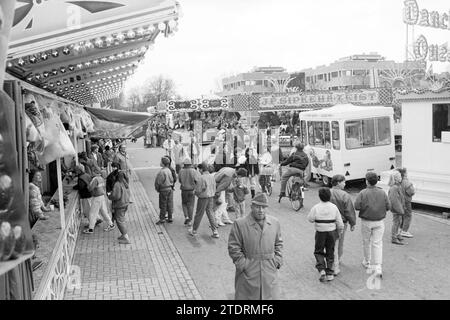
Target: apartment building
point(363, 71)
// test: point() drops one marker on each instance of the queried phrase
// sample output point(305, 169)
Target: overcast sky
point(217, 38)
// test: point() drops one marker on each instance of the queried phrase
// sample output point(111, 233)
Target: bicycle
point(295, 191)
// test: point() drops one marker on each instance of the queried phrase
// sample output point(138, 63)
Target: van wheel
point(326, 181)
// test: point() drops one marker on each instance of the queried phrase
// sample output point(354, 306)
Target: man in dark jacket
point(297, 162)
point(372, 203)
point(189, 177)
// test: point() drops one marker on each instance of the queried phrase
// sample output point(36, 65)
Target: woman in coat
point(397, 200)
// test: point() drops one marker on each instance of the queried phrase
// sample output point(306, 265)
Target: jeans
point(221, 213)
point(188, 203)
point(339, 247)
point(239, 208)
point(119, 217)
point(204, 204)
point(324, 251)
point(85, 206)
point(407, 217)
point(372, 235)
point(166, 204)
point(98, 206)
point(285, 177)
point(396, 222)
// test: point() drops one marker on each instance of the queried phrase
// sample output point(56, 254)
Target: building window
point(259, 82)
point(441, 120)
point(308, 79)
point(367, 133)
point(334, 74)
point(348, 73)
point(320, 77)
point(359, 72)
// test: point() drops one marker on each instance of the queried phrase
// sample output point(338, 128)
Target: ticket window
point(441, 120)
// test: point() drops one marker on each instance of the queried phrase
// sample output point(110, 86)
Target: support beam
point(60, 194)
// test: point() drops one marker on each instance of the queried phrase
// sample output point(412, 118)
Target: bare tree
point(134, 100)
point(158, 89)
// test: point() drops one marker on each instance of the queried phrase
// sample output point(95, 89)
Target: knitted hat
point(241, 172)
point(261, 199)
point(165, 161)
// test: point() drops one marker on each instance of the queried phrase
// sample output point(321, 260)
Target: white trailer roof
point(347, 111)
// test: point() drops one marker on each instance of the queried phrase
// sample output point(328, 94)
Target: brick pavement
point(148, 269)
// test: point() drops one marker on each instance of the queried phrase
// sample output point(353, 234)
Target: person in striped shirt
point(328, 223)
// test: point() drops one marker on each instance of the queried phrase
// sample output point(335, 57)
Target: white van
point(349, 140)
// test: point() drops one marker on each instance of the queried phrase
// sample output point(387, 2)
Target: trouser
point(230, 200)
point(220, 213)
point(285, 177)
point(339, 247)
point(396, 223)
point(372, 235)
point(239, 208)
point(188, 202)
point(308, 172)
point(154, 141)
point(85, 206)
point(118, 215)
point(166, 204)
point(264, 181)
point(98, 206)
point(407, 217)
point(204, 204)
point(324, 250)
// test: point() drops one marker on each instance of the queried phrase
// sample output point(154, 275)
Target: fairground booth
point(426, 152)
point(63, 60)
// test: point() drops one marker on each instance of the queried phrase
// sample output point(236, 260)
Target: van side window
point(327, 134)
point(335, 135)
point(383, 131)
point(367, 133)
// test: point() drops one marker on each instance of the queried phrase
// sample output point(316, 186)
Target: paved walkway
point(148, 269)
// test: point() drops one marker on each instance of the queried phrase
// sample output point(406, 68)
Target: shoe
point(36, 265)
point(186, 221)
point(189, 224)
point(124, 241)
point(170, 220)
point(228, 222)
point(330, 277)
point(109, 228)
point(366, 264)
point(397, 241)
point(88, 231)
point(98, 222)
point(121, 237)
point(221, 224)
point(282, 194)
point(192, 232)
point(323, 276)
point(336, 271)
point(406, 234)
point(215, 235)
point(377, 271)
point(161, 222)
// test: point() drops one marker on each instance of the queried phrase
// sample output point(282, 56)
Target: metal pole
point(60, 194)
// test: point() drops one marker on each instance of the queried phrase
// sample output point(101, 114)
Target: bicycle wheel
point(296, 198)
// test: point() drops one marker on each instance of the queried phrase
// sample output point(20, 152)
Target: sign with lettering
point(196, 105)
point(412, 15)
point(326, 98)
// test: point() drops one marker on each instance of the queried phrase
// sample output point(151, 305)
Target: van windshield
point(365, 133)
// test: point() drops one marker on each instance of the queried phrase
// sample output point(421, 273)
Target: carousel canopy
point(86, 50)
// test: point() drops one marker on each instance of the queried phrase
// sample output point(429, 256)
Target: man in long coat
point(255, 246)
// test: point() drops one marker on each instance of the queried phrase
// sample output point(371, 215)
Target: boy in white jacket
point(327, 219)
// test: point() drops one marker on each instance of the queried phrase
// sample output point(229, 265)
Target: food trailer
point(426, 144)
point(349, 140)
